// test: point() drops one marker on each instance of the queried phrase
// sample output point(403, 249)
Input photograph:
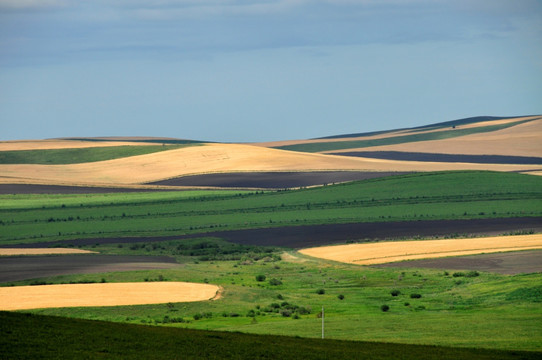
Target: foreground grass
point(25, 336)
point(429, 196)
point(80, 155)
point(482, 311)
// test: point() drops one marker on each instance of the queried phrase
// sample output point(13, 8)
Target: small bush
point(260, 277)
point(415, 296)
point(341, 297)
point(320, 291)
point(384, 308)
point(275, 282)
point(395, 292)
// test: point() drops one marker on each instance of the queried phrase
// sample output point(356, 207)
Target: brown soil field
point(273, 180)
point(520, 140)
point(215, 158)
point(383, 252)
point(17, 268)
point(43, 251)
point(510, 263)
point(431, 157)
point(108, 294)
point(318, 235)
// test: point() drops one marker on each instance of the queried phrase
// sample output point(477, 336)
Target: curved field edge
point(81, 155)
point(35, 336)
point(392, 140)
point(385, 252)
point(103, 294)
point(428, 196)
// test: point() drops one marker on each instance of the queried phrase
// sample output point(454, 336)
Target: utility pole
point(322, 322)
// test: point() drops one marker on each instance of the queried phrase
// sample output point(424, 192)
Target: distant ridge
point(465, 121)
point(138, 139)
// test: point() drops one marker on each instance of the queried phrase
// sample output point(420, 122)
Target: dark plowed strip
point(454, 158)
point(502, 263)
point(316, 235)
point(273, 180)
point(32, 267)
point(58, 189)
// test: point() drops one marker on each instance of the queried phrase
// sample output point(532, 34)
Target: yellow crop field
point(62, 144)
point(214, 158)
point(384, 252)
point(42, 251)
point(108, 294)
point(520, 140)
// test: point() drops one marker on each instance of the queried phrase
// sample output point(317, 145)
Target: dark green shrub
point(384, 308)
point(415, 296)
point(260, 277)
point(395, 292)
point(472, 274)
point(341, 297)
point(275, 282)
point(320, 291)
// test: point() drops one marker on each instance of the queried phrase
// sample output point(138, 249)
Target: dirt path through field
point(108, 294)
point(385, 252)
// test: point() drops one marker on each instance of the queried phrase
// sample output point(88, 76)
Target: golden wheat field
point(384, 252)
point(42, 251)
point(107, 294)
point(214, 158)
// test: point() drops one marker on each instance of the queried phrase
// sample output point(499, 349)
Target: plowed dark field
point(416, 156)
point(502, 263)
point(32, 267)
point(273, 180)
point(317, 235)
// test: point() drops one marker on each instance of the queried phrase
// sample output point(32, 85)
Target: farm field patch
point(108, 294)
point(369, 254)
point(273, 180)
point(18, 268)
point(44, 251)
point(515, 262)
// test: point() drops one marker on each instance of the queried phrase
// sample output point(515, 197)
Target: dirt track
point(33, 267)
point(317, 235)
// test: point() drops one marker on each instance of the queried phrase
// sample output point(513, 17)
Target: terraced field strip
point(385, 252)
point(107, 294)
point(41, 251)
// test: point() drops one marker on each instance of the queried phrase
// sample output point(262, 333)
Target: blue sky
point(262, 70)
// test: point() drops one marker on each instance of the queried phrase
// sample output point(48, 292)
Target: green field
point(37, 337)
point(482, 310)
point(447, 134)
point(428, 196)
point(81, 155)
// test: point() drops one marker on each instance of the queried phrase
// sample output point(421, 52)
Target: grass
point(447, 134)
point(33, 336)
point(486, 311)
point(428, 196)
point(81, 155)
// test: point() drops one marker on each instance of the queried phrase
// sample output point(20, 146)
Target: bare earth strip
point(46, 251)
point(108, 294)
point(215, 158)
point(520, 140)
point(384, 252)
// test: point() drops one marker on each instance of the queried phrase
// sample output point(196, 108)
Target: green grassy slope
point(428, 196)
point(80, 155)
point(36, 337)
point(447, 134)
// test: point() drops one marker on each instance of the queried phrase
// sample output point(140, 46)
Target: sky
point(262, 70)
